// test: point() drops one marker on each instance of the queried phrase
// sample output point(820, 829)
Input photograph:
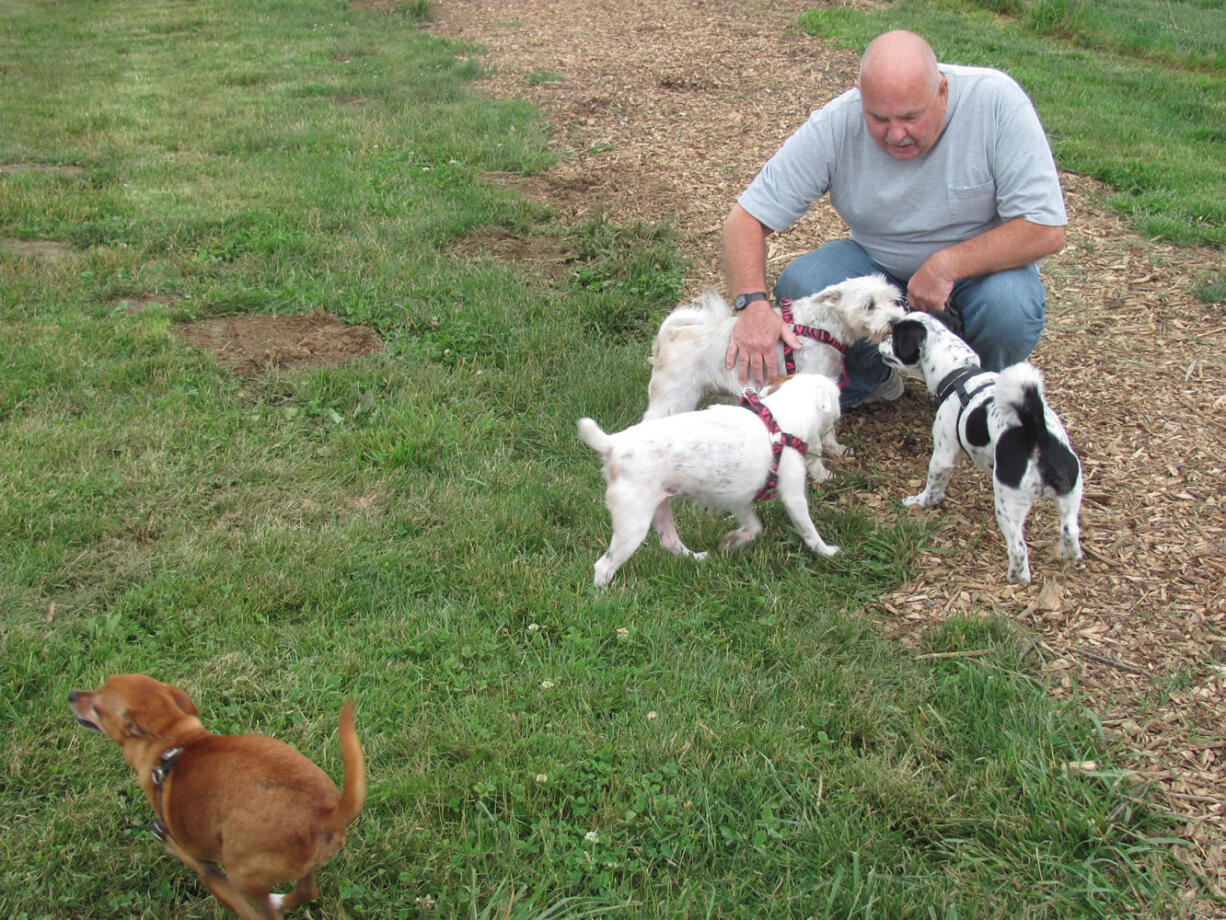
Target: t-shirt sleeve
point(1027, 183)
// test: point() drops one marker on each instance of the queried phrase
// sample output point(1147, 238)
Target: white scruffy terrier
point(1002, 422)
point(688, 355)
point(722, 457)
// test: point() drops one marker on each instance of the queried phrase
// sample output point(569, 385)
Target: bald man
point(947, 184)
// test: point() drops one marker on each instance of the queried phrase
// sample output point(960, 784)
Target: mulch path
point(665, 111)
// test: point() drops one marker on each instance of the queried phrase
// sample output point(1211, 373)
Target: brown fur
point(246, 802)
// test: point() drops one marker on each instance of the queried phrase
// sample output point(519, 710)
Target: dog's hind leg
point(666, 527)
point(630, 527)
point(1070, 531)
point(669, 394)
point(750, 528)
point(306, 890)
point(1012, 506)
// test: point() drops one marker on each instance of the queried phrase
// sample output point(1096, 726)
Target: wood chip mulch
point(665, 111)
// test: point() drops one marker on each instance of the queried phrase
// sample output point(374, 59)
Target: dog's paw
point(839, 450)
point(734, 539)
point(817, 470)
point(925, 499)
point(698, 557)
point(1069, 551)
point(1019, 574)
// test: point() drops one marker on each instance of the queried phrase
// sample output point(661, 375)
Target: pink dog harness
point(779, 440)
point(808, 332)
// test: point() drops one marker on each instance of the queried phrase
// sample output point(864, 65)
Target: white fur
point(689, 351)
point(1044, 462)
point(720, 457)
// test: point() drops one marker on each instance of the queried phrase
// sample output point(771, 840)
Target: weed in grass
point(1211, 291)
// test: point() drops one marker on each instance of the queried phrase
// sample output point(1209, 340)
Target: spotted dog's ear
point(907, 339)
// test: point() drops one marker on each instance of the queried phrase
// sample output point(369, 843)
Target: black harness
point(955, 382)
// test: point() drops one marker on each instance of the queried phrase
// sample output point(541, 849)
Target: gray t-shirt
point(990, 164)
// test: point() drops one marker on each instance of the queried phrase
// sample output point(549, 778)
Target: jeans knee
point(1002, 316)
point(829, 264)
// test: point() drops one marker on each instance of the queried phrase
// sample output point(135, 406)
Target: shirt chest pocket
point(975, 204)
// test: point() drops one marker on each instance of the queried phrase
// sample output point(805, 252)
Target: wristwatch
point(741, 301)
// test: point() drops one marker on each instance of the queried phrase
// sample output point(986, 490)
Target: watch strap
point(741, 301)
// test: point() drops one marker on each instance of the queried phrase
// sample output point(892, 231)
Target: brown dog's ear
point(183, 701)
point(132, 729)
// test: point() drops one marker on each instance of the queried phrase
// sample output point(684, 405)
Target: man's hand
point(1013, 244)
point(930, 287)
point(751, 349)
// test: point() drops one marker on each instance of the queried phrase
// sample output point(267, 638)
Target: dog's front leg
point(216, 881)
point(832, 446)
point(792, 494)
point(940, 471)
point(813, 464)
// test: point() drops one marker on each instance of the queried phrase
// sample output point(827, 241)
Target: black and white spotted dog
point(1002, 422)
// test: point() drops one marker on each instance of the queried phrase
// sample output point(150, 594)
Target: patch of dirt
point(255, 345)
point(39, 249)
point(665, 111)
point(543, 253)
point(67, 171)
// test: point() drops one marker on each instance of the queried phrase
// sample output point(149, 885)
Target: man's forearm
point(744, 252)
point(1011, 245)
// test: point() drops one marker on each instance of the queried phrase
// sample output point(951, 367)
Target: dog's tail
point(593, 436)
point(353, 790)
point(1019, 396)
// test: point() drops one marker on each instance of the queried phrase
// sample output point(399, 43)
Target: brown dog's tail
point(353, 792)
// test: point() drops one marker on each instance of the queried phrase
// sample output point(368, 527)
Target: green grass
point(416, 529)
point(1120, 113)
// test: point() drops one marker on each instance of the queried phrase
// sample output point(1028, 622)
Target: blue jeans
point(1002, 314)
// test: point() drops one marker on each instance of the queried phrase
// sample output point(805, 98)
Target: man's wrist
point(741, 301)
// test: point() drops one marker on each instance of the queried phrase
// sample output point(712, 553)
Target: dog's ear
point(183, 701)
point(907, 338)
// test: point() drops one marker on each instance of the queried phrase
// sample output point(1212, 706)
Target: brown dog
point(246, 802)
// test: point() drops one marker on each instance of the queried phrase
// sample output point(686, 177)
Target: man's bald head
point(903, 93)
